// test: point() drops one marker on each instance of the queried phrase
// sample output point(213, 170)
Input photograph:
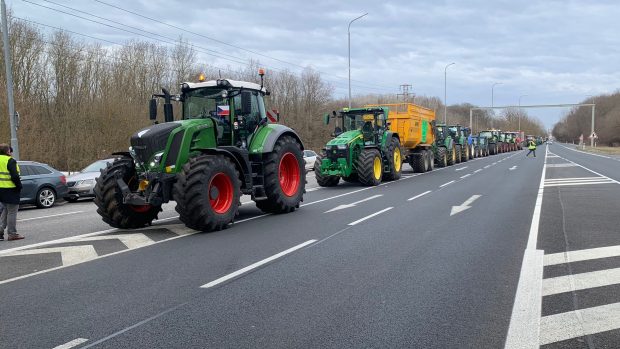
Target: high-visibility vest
point(5, 176)
point(532, 145)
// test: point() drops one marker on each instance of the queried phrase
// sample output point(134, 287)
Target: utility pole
point(445, 93)
point(492, 100)
point(349, 44)
point(9, 80)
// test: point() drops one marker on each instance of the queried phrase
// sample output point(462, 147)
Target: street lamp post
point(349, 36)
point(520, 110)
point(492, 98)
point(445, 93)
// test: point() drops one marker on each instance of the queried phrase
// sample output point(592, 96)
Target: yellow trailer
point(414, 125)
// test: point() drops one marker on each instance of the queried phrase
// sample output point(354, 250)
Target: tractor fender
point(239, 159)
point(122, 153)
point(274, 132)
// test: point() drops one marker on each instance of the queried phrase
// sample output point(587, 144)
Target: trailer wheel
point(324, 180)
point(419, 162)
point(395, 160)
point(442, 159)
point(109, 199)
point(207, 192)
point(431, 160)
point(285, 177)
point(369, 167)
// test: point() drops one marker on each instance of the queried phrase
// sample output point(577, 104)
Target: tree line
point(578, 121)
point(80, 101)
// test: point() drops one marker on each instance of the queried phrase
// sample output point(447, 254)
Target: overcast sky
point(551, 51)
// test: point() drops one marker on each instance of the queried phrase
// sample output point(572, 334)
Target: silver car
point(81, 184)
point(309, 159)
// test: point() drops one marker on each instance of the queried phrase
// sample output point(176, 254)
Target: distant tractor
point(444, 147)
point(414, 126)
point(220, 147)
point(481, 147)
point(462, 144)
point(363, 149)
point(492, 136)
point(470, 141)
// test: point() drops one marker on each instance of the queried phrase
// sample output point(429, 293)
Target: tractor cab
point(441, 133)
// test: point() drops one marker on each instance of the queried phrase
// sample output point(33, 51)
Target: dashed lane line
point(71, 344)
point(370, 216)
point(443, 185)
point(49, 216)
point(419, 195)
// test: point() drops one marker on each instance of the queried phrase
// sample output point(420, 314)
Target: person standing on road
point(10, 188)
point(532, 147)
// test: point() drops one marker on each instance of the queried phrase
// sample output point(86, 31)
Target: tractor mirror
point(153, 109)
point(326, 119)
point(246, 103)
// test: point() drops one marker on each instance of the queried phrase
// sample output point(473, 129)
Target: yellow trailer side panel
point(412, 123)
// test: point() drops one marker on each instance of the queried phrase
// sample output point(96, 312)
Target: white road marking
point(524, 329)
point(582, 255)
point(579, 183)
point(465, 176)
point(70, 254)
point(353, 204)
point(513, 168)
point(443, 185)
point(370, 216)
point(419, 195)
point(487, 166)
point(552, 180)
point(560, 165)
point(72, 343)
point(585, 152)
point(580, 323)
point(464, 206)
point(478, 170)
point(132, 241)
point(256, 265)
point(50, 216)
point(308, 190)
point(583, 281)
point(461, 168)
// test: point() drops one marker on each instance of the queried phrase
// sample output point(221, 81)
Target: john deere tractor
point(492, 136)
point(220, 147)
point(363, 149)
point(462, 143)
point(444, 147)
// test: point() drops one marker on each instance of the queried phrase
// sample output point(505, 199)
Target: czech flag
point(223, 110)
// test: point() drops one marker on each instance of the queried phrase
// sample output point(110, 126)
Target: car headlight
point(157, 159)
point(85, 183)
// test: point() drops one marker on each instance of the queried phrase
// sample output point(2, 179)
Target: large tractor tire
point(472, 152)
point(458, 154)
point(493, 149)
point(442, 157)
point(395, 161)
point(452, 156)
point(285, 177)
point(464, 153)
point(324, 180)
point(370, 167)
point(109, 199)
point(207, 192)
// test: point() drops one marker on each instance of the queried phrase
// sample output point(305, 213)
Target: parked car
point(309, 158)
point(81, 184)
point(42, 184)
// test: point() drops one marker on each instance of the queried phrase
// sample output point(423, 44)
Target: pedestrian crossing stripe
point(557, 182)
point(566, 164)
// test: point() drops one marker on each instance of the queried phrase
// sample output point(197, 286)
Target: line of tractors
point(370, 144)
point(223, 144)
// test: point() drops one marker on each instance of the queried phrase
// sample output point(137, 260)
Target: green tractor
point(363, 149)
point(492, 136)
point(444, 147)
point(221, 147)
point(462, 144)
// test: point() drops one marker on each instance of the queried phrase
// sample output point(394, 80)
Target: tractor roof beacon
point(220, 147)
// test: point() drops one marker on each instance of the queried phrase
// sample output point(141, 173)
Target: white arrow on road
point(342, 207)
point(464, 206)
point(513, 168)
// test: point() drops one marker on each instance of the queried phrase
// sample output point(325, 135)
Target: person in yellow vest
point(10, 187)
point(531, 145)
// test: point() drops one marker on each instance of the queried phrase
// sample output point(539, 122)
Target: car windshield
point(96, 166)
point(205, 102)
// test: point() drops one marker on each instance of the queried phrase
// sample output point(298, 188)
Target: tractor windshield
point(362, 120)
point(453, 131)
point(486, 134)
point(205, 102)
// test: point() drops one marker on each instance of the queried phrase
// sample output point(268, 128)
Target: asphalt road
point(429, 261)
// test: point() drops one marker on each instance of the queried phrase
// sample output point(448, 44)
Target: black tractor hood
point(151, 140)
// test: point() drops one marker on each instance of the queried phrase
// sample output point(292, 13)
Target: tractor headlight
point(342, 146)
point(157, 159)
